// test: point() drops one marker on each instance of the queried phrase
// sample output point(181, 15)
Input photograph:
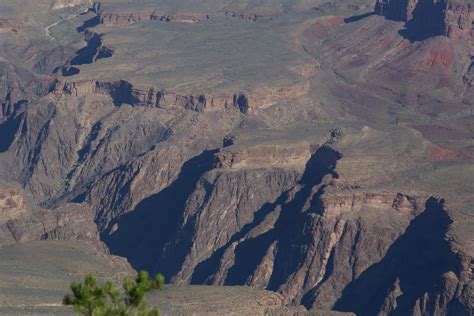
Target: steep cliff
point(313, 242)
point(122, 91)
point(311, 150)
point(451, 18)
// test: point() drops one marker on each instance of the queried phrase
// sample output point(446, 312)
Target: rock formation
point(291, 155)
point(122, 92)
point(451, 18)
point(117, 19)
point(20, 222)
point(311, 154)
point(458, 19)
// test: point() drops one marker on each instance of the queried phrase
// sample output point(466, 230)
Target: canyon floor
point(284, 157)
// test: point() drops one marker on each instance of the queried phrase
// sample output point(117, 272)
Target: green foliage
point(93, 299)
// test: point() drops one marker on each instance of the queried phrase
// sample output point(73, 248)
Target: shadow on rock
point(142, 234)
point(359, 17)
point(291, 251)
point(205, 270)
point(94, 21)
point(93, 51)
point(250, 252)
point(8, 131)
point(427, 21)
point(416, 261)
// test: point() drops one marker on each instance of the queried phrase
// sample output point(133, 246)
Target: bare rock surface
point(319, 152)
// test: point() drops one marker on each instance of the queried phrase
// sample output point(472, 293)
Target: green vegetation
point(92, 298)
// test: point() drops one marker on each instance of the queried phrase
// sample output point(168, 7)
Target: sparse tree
point(92, 298)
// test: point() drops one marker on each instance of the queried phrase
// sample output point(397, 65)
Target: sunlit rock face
point(318, 154)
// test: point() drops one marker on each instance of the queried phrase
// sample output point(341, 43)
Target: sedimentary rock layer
point(122, 91)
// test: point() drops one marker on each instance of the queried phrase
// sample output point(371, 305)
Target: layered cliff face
point(435, 288)
point(303, 147)
point(123, 92)
point(315, 244)
point(291, 155)
point(451, 18)
point(117, 19)
point(119, 13)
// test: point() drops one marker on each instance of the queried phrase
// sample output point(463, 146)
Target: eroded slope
point(315, 150)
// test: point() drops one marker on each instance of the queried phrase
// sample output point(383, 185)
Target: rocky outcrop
point(336, 204)
point(21, 222)
point(314, 243)
point(266, 207)
point(243, 15)
point(93, 51)
point(290, 155)
point(12, 204)
point(192, 219)
point(458, 19)
point(122, 91)
point(400, 10)
point(451, 18)
point(322, 257)
point(118, 19)
point(112, 18)
point(430, 282)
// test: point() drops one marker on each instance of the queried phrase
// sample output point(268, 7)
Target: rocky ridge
point(120, 15)
point(122, 91)
point(277, 155)
point(329, 226)
point(112, 18)
point(336, 224)
point(117, 19)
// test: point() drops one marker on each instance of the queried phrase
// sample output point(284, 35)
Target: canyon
point(267, 157)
